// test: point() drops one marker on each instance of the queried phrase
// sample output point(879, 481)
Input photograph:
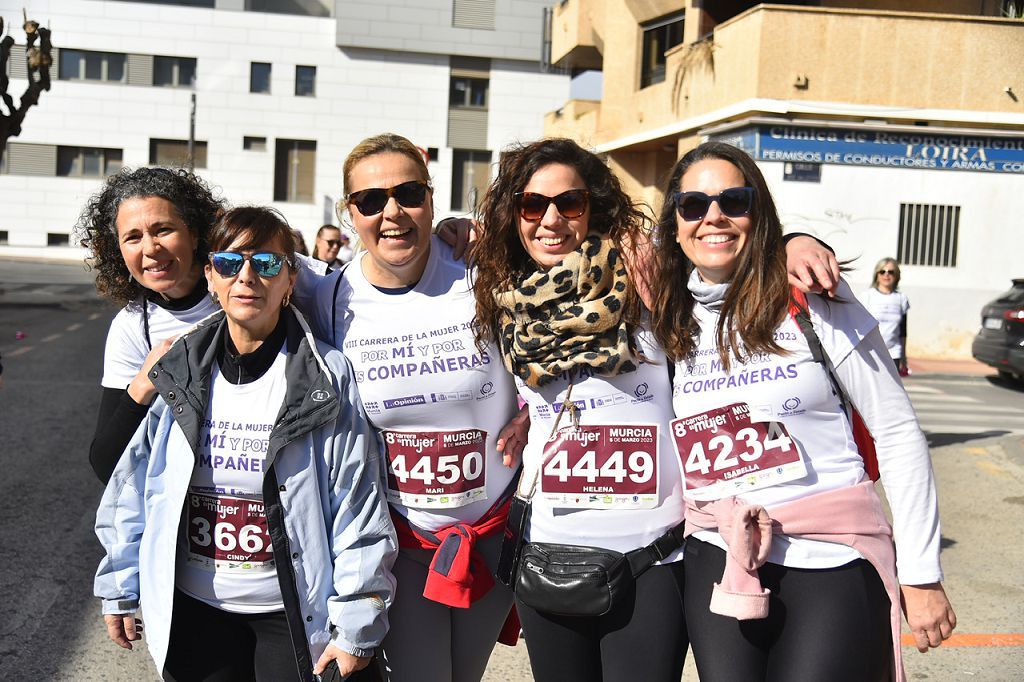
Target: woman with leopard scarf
point(558, 287)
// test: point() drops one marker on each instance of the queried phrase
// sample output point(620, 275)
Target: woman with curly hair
point(146, 230)
point(558, 271)
point(791, 568)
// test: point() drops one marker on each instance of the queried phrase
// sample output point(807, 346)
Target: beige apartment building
point(887, 128)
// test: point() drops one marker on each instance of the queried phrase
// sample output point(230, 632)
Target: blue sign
point(894, 149)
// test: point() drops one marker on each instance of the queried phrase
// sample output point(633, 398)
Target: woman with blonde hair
point(402, 311)
point(889, 306)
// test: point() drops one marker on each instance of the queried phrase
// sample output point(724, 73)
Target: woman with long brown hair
point(791, 570)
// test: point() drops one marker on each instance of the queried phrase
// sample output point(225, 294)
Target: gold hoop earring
point(287, 300)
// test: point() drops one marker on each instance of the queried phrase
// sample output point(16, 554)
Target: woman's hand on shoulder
point(512, 438)
point(460, 234)
point(347, 663)
point(929, 614)
point(812, 268)
point(142, 390)
point(123, 629)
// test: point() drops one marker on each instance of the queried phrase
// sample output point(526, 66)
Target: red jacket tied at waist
point(849, 516)
point(458, 574)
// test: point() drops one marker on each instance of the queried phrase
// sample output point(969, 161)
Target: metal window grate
point(473, 14)
point(929, 235)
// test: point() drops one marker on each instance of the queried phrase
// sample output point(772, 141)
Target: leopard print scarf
point(569, 316)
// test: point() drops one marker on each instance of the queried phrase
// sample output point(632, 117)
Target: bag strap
point(334, 306)
point(642, 559)
point(798, 310)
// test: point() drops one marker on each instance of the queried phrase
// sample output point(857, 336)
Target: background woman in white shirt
point(889, 306)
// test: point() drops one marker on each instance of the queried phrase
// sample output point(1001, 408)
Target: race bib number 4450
point(436, 469)
point(602, 467)
point(725, 453)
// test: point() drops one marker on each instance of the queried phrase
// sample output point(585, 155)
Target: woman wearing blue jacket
point(248, 505)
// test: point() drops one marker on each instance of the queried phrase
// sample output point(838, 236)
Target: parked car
point(1000, 343)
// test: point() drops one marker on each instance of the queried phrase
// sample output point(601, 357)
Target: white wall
point(856, 210)
point(359, 92)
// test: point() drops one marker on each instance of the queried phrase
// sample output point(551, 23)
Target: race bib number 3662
point(436, 469)
point(724, 453)
point(228, 534)
point(606, 466)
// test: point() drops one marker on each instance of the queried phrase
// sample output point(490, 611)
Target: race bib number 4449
point(436, 469)
point(602, 467)
point(725, 453)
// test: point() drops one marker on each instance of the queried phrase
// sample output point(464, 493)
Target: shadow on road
point(1009, 384)
point(937, 440)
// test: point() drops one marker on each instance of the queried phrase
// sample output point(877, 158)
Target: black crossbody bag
point(571, 580)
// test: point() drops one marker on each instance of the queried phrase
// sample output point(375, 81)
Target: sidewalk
point(969, 367)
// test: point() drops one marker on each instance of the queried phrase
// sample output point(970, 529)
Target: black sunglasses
point(570, 204)
point(733, 202)
point(266, 263)
point(886, 272)
point(372, 201)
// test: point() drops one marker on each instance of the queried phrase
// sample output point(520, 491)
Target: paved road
point(49, 624)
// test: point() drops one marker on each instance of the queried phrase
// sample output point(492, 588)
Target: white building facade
point(944, 201)
point(283, 90)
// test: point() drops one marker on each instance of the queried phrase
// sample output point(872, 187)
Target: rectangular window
point(175, 153)
point(259, 77)
point(174, 72)
point(305, 81)
point(471, 174)
point(929, 235)
point(92, 66)
point(254, 144)
point(468, 92)
point(57, 239)
point(294, 170)
point(87, 162)
point(659, 36)
point(4, 237)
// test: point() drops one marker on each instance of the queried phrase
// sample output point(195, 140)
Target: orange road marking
point(975, 640)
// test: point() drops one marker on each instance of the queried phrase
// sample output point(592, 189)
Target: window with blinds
point(473, 14)
point(174, 72)
point(471, 174)
point(175, 153)
point(294, 170)
point(659, 36)
point(929, 235)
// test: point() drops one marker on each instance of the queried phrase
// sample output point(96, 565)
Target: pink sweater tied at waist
point(849, 516)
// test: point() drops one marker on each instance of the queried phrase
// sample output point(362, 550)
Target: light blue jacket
point(332, 537)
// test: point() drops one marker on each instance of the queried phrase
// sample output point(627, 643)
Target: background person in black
point(146, 231)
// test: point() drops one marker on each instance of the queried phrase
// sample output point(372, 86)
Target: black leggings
point(641, 638)
point(825, 624)
point(212, 645)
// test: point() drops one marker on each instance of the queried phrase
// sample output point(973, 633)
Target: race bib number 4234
point(436, 469)
point(724, 453)
point(606, 466)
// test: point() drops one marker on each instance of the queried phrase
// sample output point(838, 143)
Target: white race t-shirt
point(438, 401)
point(225, 557)
point(889, 310)
point(128, 343)
point(792, 389)
point(598, 513)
